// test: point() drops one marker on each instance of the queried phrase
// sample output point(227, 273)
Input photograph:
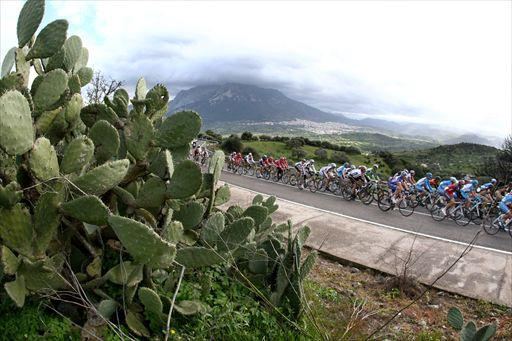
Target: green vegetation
point(102, 211)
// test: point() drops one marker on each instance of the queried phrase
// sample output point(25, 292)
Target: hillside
point(241, 102)
point(451, 159)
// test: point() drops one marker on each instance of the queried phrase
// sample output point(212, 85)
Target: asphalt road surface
point(419, 222)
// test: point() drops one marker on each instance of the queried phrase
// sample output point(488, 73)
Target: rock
point(434, 306)
point(354, 270)
point(423, 323)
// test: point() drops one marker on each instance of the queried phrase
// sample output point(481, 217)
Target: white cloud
point(448, 63)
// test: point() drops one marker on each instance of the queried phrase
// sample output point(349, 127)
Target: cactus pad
point(158, 97)
point(134, 322)
point(180, 153)
point(106, 140)
point(258, 262)
point(142, 242)
point(222, 195)
point(189, 307)
point(257, 200)
point(10, 195)
point(216, 165)
point(46, 221)
point(150, 300)
point(56, 61)
point(178, 129)
point(185, 181)
point(17, 291)
point(152, 193)
point(50, 89)
point(235, 234)
point(89, 209)
point(97, 111)
point(74, 84)
point(8, 62)
point(78, 154)
point(308, 265)
point(162, 165)
point(16, 229)
point(43, 160)
point(107, 308)
point(256, 212)
point(85, 74)
point(73, 107)
point(16, 129)
point(141, 89)
point(138, 133)
point(455, 318)
point(190, 214)
point(173, 232)
point(9, 261)
point(49, 40)
point(102, 178)
point(125, 273)
point(72, 51)
point(82, 60)
point(212, 229)
point(197, 257)
point(28, 21)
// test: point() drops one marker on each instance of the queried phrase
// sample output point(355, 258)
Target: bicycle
point(492, 224)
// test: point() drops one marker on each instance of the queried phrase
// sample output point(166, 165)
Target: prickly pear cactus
point(112, 188)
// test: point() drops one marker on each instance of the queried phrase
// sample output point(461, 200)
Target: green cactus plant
point(49, 40)
point(469, 331)
point(43, 160)
point(106, 140)
point(99, 180)
point(8, 62)
point(78, 154)
point(190, 214)
point(72, 51)
point(89, 209)
point(50, 90)
point(29, 19)
point(178, 130)
point(16, 129)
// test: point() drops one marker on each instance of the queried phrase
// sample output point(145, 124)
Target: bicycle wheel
point(334, 187)
point(365, 196)
point(293, 180)
point(266, 174)
point(462, 216)
point(436, 211)
point(312, 184)
point(240, 169)
point(346, 192)
point(476, 214)
point(428, 202)
point(384, 201)
point(286, 177)
point(275, 176)
point(414, 200)
point(404, 207)
point(250, 170)
point(490, 224)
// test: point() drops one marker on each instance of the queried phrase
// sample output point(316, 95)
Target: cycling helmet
point(474, 182)
point(303, 160)
point(467, 177)
point(346, 164)
point(283, 158)
point(363, 168)
point(429, 175)
point(406, 171)
point(250, 154)
point(353, 167)
point(462, 183)
point(453, 179)
point(375, 166)
point(312, 161)
point(333, 165)
point(437, 178)
point(403, 173)
point(493, 181)
point(412, 172)
point(264, 156)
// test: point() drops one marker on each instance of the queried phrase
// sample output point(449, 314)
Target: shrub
point(321, 153)
point(232, 144)
point(295, 143)
point(254, 152)
point(298, 153)
point(247, 136)
point(340, 157)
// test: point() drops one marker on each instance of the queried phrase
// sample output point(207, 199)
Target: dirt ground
point(349, 303)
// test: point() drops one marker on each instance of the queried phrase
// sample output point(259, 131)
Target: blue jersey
point(340, 170)
point(443, 185)
point(424, 183)
point(485, 186)
point(507, 199)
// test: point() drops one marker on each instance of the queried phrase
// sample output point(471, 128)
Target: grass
point(278, 149)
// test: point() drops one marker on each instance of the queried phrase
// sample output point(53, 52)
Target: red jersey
point(283, 164)
point(451, 189)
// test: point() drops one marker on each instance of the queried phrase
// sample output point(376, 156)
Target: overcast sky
point(439, 62)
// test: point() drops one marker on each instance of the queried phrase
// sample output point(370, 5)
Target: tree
point(295, 143)
point(232, 144)
point(254, 152)
point(298, 153)
point(339, 157)
point(247, 136)
point(101, 86)
point(321, 153)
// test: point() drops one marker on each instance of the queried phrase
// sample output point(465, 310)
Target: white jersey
point(325, 170)
point(356, 173)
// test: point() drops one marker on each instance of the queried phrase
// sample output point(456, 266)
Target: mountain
point(240, 102)
point(474, 138)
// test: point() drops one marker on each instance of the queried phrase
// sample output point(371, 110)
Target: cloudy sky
point(439, 62)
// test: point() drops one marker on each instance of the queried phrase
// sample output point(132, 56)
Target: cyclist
point(486, 190)
point(249, 159)
point(505, 208)
point(281, 165)
point(450, 192)
point(343, 169)
point(410, 177)
point(310, 166)
point(372, 173)
point(328, 172)
point(397, 184)
point(500, 193)
point(424, 184)
point(356, 177)
point(238, 158)
point(300, 165)
point(445, 183)
point(467, 191)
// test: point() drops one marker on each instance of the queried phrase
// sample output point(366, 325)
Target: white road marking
point(381, 225)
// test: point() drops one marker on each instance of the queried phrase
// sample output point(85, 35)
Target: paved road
point(419, 222)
